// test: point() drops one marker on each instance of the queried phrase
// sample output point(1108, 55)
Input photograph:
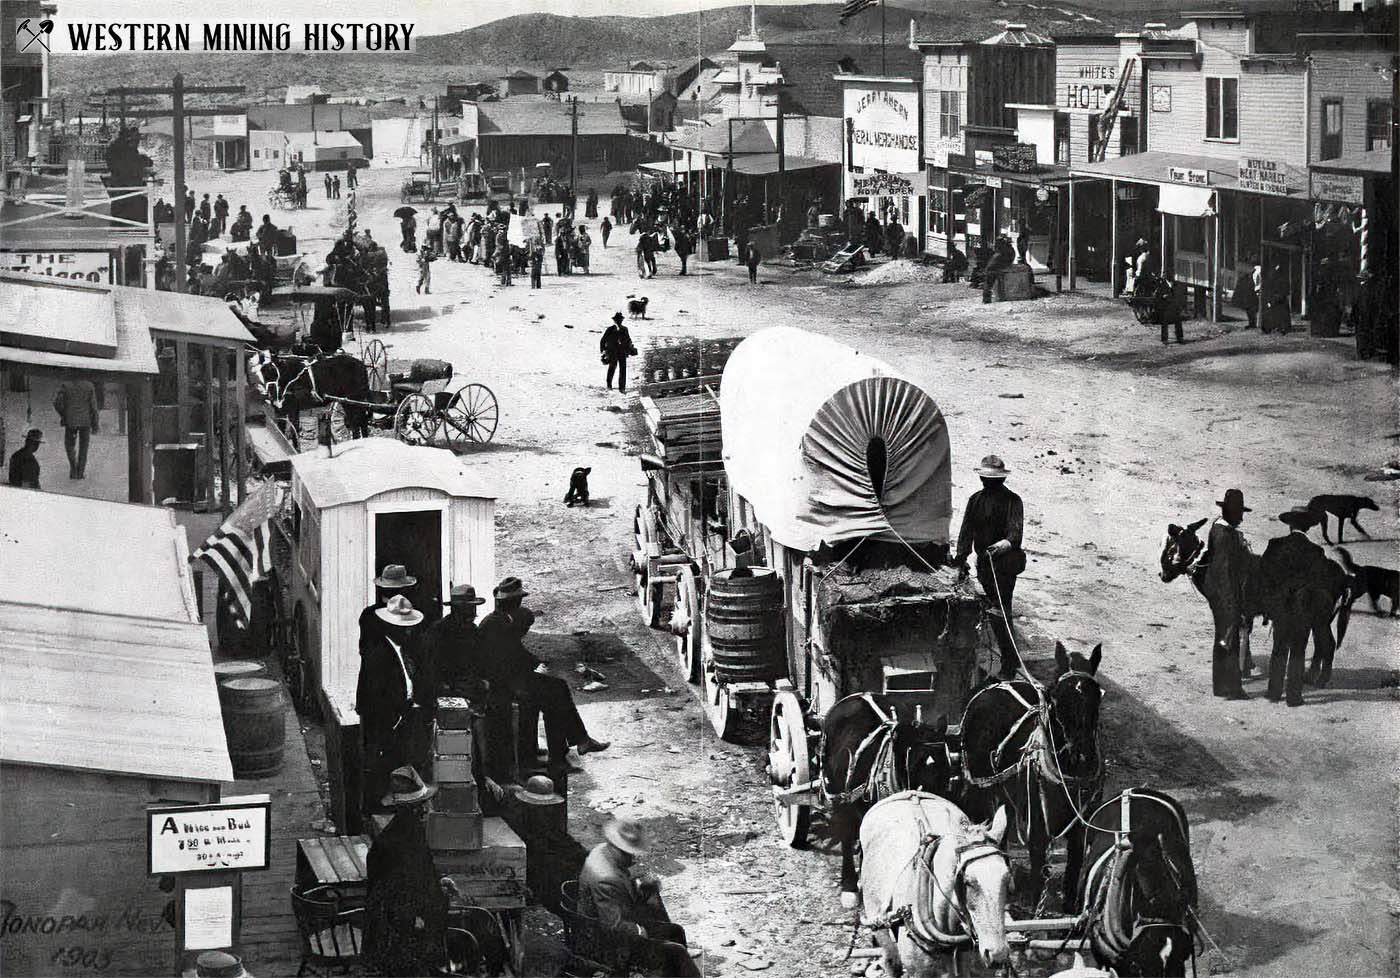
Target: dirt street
point(1110, 437)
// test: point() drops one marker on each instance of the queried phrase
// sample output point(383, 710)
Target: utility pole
point(433, 135)
point(573, 156)
point(178, 114)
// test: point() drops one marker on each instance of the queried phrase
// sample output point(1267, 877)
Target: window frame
point(1218, 104)
point(1337, 138)
point(1387, 127)
point(949, 123)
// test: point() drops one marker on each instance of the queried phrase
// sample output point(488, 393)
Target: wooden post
point(1215, 261)
point(140, 453)
point(1070, 259)
point(206, 357)
point(1113, 239)
point(177, 130)
point(182, 390)
point(1059, 249)
point(221, 374)
point(240, 401)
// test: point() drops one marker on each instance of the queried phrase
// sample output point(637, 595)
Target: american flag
point(240, 550)
point(852, 7)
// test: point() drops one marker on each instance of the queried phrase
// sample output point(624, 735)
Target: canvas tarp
point(800, 415)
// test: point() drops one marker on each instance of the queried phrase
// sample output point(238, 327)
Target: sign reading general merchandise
point(1338, 188)
point(1263, 176)
point(883, 125)
point(234, 834)
point(81, 266)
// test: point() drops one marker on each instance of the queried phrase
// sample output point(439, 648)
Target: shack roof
point(45, 304)
point(110, 693)
point(512, 117)
point(367, 467)
point(202, 316)
point(137, 565)
point(304, 118)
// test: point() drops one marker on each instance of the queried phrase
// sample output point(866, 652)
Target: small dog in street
point(578, 487)
point(637, 307)
point(1377, 582)
point(1344, 508)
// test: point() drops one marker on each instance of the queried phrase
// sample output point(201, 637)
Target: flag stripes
point(853, 7)
point(240, 553)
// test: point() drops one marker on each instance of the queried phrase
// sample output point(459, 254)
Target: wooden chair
point(331, 927)
point(588, 953)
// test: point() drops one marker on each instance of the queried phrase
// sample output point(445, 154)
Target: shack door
point(413, 539)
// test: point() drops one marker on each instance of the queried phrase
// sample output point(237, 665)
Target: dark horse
point(1328, 598)
point(1037, 750)
point(292, 383)
point(867, 754)
point(1140, 881)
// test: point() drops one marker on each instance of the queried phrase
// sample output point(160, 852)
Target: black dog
point(1377, 582)
point(638, 307)
point(578, 487)
point(1344, 508)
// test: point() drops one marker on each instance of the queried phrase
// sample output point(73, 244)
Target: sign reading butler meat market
point(883, 125)
point(1262, 176)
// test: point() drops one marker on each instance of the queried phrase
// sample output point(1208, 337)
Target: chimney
point(913, 44)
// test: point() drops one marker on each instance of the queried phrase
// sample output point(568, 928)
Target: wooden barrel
point(253, 724)
point(744, 621)
point(238, 669)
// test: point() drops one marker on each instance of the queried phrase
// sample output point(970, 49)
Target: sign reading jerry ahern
point(234, 834)
point(884, 126)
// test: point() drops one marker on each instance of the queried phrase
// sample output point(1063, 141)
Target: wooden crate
point(494, 873)
point(447, 741)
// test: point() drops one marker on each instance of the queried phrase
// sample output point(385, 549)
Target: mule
point(1326, 601)
point(1037, 751)
point(932, 881)
point(867, 754)
point(1140, 879)
point(292, 383)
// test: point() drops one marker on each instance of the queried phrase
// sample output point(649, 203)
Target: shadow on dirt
point(605, 654)
point(1250, 942)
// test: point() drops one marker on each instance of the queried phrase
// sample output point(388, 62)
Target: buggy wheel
point(471, 415)
point(788, 765)
point(648, 593)
point(687, 624)
point(377, 365)
point(294, 665)
point(415, 421)
point(340, 425)
point(723, 718)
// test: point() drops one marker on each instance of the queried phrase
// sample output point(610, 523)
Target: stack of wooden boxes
point(454, 814)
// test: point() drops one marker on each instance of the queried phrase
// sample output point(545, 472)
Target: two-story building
point(882, 170)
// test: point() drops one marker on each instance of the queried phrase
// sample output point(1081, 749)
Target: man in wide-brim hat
point(1226, 577)
point(405, 907)
point(1295, 598)
point(633, 919)
point(450, 648)
point(393, 579)
point(992, 524)
point(391, 696)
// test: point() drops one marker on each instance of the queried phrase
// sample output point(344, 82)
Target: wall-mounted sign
point(1161, 98)
point(1263, 176)
point(235, 834)
point(883, 125)
point(231, 125)
point(1015, 157)
point(882, 185)
point(1181, 174)
point(83, 266)
point(941, 149)
point(1338, 188)
point(993, 182)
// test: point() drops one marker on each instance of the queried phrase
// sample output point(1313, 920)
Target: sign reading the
point(1181, 174)
point(84, 266)
point(1338, 188)
point(1161, 98)
point(1262, 176)
point(234, 834)
point(883, 124)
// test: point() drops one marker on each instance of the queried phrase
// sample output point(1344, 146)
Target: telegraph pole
point(573, 156)
point(178, 114)
point(433, 136)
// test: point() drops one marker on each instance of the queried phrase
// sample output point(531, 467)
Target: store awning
point(451, 141)
point(1186, 201)
point(1155, 167)
point(763, 164)
point(668, 167)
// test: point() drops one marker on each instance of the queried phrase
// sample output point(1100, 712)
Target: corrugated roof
point(299, 118)
point(138, 565)
point(172, 312)
point(96, 692)
point(367, 467)
point(548, 118)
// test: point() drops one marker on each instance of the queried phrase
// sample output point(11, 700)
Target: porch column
point(1113, 239)
point(211, 432)
point(1215, 260)
point(240, 421)
point(1070, 260)
point(139, 453)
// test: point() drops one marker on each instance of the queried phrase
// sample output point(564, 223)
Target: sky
point(430, 16)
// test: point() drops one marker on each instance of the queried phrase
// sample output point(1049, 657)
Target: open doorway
point(413, 539)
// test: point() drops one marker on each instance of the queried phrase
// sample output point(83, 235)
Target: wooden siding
point(76, 899)
point(620, 151)
point(943, 71)
point(999, 74)
point(1346, 75)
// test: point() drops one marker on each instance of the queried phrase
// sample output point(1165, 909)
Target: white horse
point(932, 881)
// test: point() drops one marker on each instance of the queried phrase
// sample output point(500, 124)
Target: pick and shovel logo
point(30, 34)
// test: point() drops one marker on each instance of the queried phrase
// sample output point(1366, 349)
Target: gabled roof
point(641, 66)
point(1016, 35)
point(749, 137)
point(327, 140)
point(520, 73)
point(547, 117)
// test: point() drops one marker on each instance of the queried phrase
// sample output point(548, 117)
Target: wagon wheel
point(724, 719)
point(648, 594)
point(294, 665)
point(471, 415)
point(515, 941)
point(377, 365)
point(340, 425)
point(789, 764)
point(415, 421)
point(687, 624)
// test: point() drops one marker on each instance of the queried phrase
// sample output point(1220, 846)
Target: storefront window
point(938, 211)
point(1379, 119)
point(1191, 235)
point(1062, 139)
point(949, 113)
point(1331, 147)
point(1222, 108)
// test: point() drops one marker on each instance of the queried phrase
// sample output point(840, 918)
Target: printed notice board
point(234, 834)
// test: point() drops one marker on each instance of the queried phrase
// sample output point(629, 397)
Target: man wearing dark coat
point(992, 524)
point(1288, 587)
point(1227, 573)
point(394, 579)
point(390, 697)
point(449, 650)
point(509, 667)
point(405, 907)
point(616, 346)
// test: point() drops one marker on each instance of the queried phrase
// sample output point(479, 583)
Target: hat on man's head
point(463, 594)
point(992, 467)
point(628, 835)
point(1234, 499)
point(1299, 518)
point(510, 588)
point(617, 317)
point(406, 787)
point(398, 610)
point(395, 576)
point(34, 435)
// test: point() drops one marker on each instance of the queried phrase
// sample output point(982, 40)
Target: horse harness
point(880, 782)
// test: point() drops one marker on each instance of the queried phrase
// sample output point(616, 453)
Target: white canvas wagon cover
point(805, 419)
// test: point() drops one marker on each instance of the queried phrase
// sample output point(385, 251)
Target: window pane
point(1332, 118)
point(1212, 108)
point(1230, 108)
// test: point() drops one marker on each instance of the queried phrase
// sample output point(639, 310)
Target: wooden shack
point(108, 706)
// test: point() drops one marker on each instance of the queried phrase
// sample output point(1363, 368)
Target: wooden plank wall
point(473, 559)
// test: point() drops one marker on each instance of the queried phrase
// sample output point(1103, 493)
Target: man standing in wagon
point(992, 524)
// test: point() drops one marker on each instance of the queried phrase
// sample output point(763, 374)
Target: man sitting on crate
point(512, 670)
point(630, 922)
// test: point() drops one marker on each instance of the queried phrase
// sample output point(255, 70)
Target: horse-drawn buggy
point(419, 186)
